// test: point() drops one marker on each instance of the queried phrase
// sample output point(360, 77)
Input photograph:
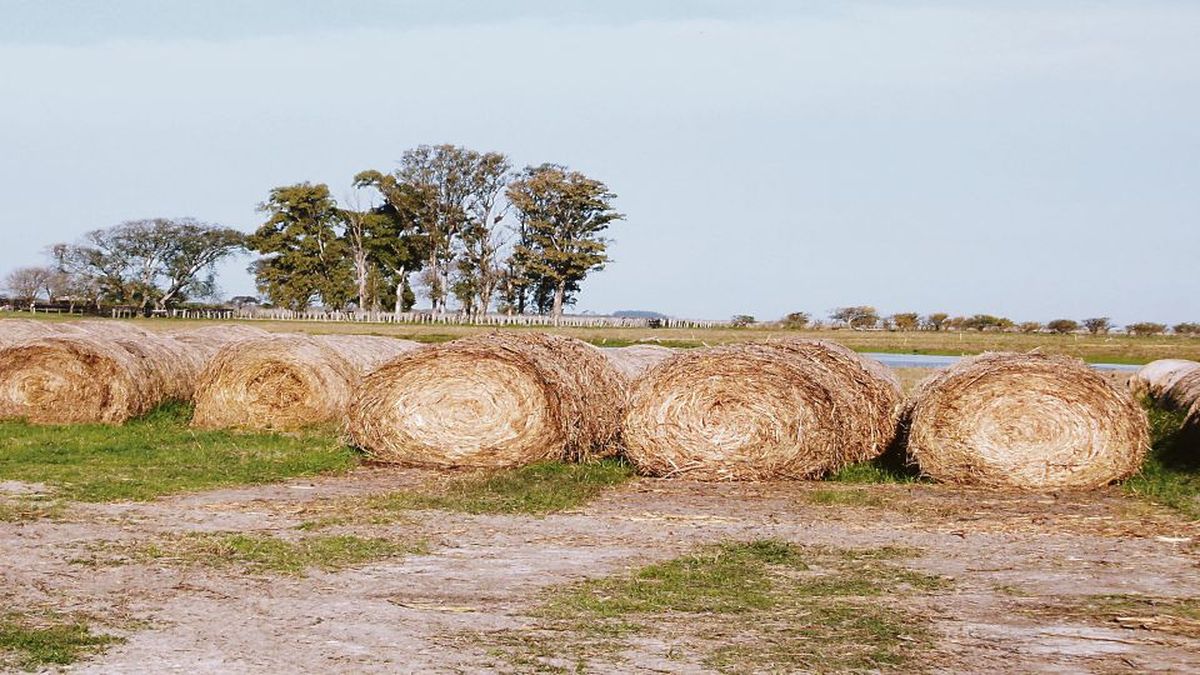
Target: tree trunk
point(360, 269)
point(560, 292)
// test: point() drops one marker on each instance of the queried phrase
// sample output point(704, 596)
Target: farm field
point(145, 555)
point(1120, 349)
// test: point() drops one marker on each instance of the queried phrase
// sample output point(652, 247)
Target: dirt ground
point(1013, 561)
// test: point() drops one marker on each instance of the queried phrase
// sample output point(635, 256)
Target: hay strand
point(494, 400)
point(756, 411)
point(279, 382)
point(1025, 421)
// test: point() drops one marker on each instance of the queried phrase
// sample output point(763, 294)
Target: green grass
point(537, 490)
point(159, 454)
point(35, 642)
point(1171, 474)
point(269, 554)
point(857, 497)
point(890, 467)
point(757, 606)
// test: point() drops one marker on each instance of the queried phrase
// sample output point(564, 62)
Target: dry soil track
point(1013, 563)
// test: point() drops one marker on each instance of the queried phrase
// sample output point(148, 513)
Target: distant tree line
point(865, 317)
point(149, 264)
point(455, 223)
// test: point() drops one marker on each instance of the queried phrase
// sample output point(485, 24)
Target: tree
point(742, 321)
point(460, 190)
point(906, 321)
point(1186, 328)
point(796, 320)
point(1063, 326)
point(982, 322)
point(1145, 328)
point(936, 320)
point(161, 260)
point(857, 317)
point(27, 284)
point(562, 214)
point(1030, 326)
point(1097, 325)
point(303, 255)
point(394, 242)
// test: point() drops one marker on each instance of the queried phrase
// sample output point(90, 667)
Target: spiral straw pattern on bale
point(760, 411)
point(490, 401)
point(1025, 421)
point(367, 352)
point(74, 379)
point(634, 360)
point(279, 382)
point(1155, 379)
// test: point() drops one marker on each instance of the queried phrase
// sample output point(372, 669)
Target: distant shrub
point(1144, 328)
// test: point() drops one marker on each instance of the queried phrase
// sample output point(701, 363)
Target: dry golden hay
point(367, 352)
point(209, 339)
point(758, 411)
point(1183, 391)
point(280, 382)
point(634, 360)
point(492, 400)
point(18, 330)
point(173, 366)
point(74, 379)
point(1156, 378)
point(1025, 421)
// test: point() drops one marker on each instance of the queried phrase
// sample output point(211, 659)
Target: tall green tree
point(304, 255)
point(562, 216)
point(394, 240)
point(461, 190)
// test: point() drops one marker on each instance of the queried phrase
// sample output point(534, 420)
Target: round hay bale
point(74, 379)
point(279, 382)
point(1156, 378)
point(19, 330)
point(173, 366)
point(1182, 391)
point(759, 411)
point(634, 360)
point(367, 352)
point(493, 400)
point(1025, 421)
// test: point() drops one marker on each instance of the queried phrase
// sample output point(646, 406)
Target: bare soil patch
point(1093, 581)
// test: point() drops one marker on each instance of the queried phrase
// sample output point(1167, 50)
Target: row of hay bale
point(237, 376)
point(771, 410)
point(767, 410)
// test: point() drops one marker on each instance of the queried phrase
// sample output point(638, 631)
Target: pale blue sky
point(1029, 159)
